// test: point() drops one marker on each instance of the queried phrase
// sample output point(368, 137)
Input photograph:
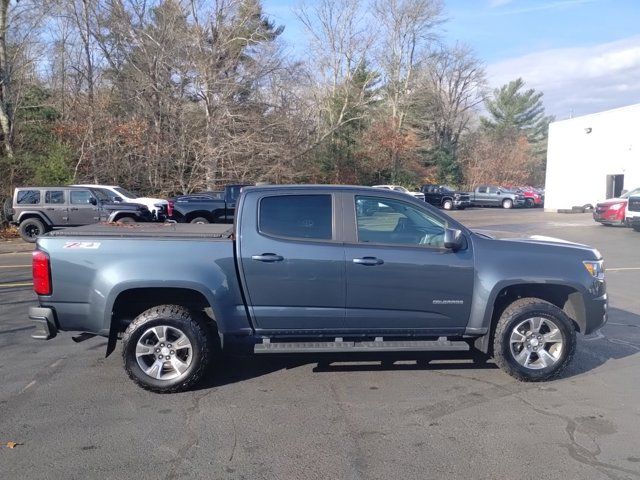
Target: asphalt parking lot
point(75, 414)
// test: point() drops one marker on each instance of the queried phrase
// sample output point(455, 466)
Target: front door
point(292, 263)
point(81, 210)
point(399, 275)
point(56, 208)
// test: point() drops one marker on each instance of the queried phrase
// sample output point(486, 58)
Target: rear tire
point(534, 340)
point(507, 203)
point(200, 220)
point(447, 204)
point(30, 229)
point(168, 348)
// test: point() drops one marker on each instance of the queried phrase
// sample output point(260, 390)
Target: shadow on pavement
point(592, 352)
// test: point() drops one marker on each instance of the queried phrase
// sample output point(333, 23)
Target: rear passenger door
point(81, 210)
point(292, 261)
point(56, 208)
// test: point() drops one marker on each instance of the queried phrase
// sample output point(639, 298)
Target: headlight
point(595, 268)
point(616, 206)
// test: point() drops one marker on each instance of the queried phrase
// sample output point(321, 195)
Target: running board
point(378, 345)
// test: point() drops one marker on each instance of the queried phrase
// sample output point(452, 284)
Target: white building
point(593, 157)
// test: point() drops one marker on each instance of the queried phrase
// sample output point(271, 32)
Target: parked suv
point(37, 210)
point(633, 211)
point(445, 197)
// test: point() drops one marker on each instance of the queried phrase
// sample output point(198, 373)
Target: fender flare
point(34, 213)
point(123, 287)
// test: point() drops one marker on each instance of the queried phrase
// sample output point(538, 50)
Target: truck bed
point(148, 230)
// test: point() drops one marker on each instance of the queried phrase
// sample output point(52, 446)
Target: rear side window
point(482, 189)
point(297, 216)
point(54, 197)
point(28, 197)
point(80, 197)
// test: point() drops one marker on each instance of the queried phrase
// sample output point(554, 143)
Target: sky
point(584, 55)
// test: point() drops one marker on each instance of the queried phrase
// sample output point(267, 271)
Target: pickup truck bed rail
point(154, 230)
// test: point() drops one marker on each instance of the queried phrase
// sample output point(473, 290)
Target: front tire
point(30, 229)
point(534, 340)
point(529, 203)
point(126, 220)
point(200, 220)
point(168, 349)
point(507, 203)
point(447, 204)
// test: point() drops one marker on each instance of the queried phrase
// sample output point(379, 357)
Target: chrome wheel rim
point(164, 352)
point(536, 343)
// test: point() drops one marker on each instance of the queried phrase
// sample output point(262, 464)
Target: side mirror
point(623, 192)
point(93, 201)
point(453, 239)
point(117, 199)
point(499, 192)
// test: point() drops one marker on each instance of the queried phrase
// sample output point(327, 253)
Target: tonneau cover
point(152, 230)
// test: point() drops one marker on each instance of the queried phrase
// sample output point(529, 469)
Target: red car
point(532, 197)
point(613, 210)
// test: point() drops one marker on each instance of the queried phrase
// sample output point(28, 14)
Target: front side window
point(297, 216)
point(55, 197)
point(386, 221)
point(28, 197)
point(80, 197)
point(482, 189)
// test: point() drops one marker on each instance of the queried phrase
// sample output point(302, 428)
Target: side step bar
point(378, 345)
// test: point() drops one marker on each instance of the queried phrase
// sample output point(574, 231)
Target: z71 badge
point(83, 245)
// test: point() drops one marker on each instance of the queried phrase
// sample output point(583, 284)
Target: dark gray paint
point(315, 289)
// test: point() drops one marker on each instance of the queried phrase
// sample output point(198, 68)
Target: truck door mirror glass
point(93, 201)
point(453, 239)
point(117, 199)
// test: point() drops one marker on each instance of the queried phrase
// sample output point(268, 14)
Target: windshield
point(448, 188)
point(125, 193)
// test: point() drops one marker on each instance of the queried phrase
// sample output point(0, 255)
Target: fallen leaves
point(9, 444)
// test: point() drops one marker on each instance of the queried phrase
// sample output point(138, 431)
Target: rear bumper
point(461, 203)
point(45, 323)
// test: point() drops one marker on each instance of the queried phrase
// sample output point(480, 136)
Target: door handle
point(73, 208)
point(368, 261)
point(268, 257)
point(49, 209)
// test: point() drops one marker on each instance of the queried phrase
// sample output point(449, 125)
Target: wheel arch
point(34, 214)
point(568, 298)
point(200, 213)
point(132, 300)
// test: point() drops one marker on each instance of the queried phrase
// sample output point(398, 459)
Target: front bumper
point(45, 323)
point(609, 217)
point(596, 313)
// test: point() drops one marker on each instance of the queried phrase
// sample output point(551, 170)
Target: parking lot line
point(14, 266)
point(9, 285)
point(622, 269)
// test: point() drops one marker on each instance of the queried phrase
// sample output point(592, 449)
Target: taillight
point(41, 273)
point(170, 208)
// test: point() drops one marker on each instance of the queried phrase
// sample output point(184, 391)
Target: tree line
point(174, 96)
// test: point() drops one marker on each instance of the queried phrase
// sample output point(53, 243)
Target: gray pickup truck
point(316, 269)
point(493, 196)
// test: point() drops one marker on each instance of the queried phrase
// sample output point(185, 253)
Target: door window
point(393, 222)
point(28, 197)
point(297, 216)
point(80, 197)
point(55, 197)
point(482, 189)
